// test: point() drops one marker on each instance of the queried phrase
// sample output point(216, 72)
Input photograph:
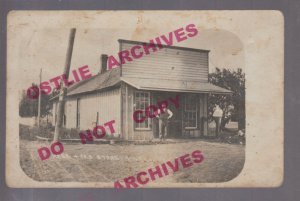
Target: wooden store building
point(117, 93)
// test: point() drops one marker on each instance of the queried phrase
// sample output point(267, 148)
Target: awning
point(174, 85)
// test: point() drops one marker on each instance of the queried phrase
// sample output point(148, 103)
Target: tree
point(28, 107)
point(233, 80)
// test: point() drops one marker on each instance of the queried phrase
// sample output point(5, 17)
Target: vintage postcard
point(144, 99)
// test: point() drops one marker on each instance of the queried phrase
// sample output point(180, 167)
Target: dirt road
point(108, 163)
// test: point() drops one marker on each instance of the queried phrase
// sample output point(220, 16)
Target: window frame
point(134, 109)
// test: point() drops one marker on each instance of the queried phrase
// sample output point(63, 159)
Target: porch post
point(205, 123)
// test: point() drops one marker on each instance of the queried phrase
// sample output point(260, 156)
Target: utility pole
point(63, 89)
point(39, 104)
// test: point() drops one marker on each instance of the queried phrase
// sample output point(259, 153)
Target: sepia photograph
point(132, 105)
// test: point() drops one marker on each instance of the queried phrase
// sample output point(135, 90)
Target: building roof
point(174, 85)
point(97, 82)
point(100, 81)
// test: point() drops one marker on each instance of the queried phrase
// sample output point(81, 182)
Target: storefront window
point(142, 101)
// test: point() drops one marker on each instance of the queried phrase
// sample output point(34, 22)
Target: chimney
point(104, 58)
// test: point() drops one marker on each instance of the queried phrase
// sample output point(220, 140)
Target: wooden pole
point(39, 103)
point(97, 119)
point(63, 89)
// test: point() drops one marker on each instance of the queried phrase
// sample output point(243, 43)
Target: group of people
point(221, 117)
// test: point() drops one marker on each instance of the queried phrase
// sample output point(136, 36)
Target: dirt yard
point(108, 163)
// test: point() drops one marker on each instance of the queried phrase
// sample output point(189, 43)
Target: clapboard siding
point(106, 103)
point(168, 63)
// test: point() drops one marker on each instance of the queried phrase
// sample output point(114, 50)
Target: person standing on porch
point(217, 115)
point(163, 117)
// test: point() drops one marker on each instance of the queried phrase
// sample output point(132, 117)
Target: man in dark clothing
point(163, 117)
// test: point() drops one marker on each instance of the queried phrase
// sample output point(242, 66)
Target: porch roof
point(174, 85)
